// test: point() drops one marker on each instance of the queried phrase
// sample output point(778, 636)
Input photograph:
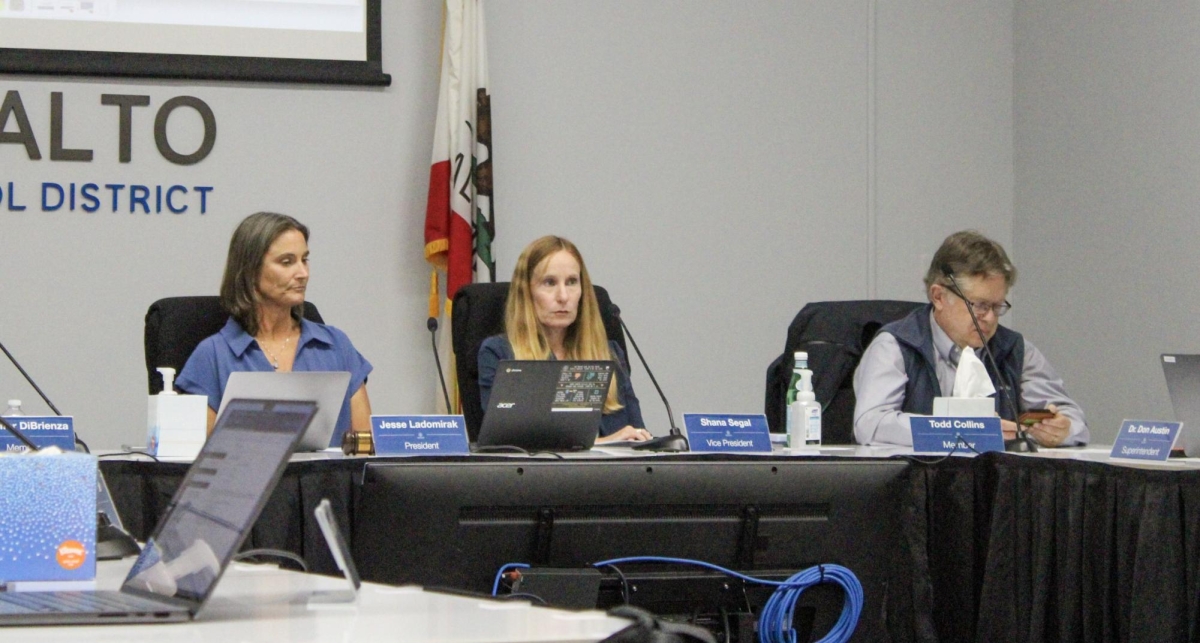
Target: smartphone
point(341, 556)
point(1033, 416)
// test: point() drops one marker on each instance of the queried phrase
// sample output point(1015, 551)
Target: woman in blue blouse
point(552, 313)
point(266, 276)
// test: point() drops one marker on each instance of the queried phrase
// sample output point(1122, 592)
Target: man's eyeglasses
point(983, 308)
point(980, 307)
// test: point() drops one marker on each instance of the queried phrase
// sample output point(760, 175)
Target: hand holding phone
point(1033, 416)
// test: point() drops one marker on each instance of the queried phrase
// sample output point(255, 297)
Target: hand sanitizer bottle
point(176, 425)
point(808, 409)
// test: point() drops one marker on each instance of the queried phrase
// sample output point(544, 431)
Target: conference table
point(265, 603)
point(1063, 545)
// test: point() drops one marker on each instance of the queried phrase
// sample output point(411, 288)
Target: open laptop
point(1183, 385)
point(546, 405)
point(214, 509)
point(326, 388)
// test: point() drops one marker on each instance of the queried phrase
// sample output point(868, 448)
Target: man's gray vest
point(915, 337)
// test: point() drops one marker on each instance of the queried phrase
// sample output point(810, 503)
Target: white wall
point(719, 164)
point(351, 163)
point(715, 162)
point(1108, 181)
point(944, 141)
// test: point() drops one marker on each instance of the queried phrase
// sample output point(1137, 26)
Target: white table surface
point(265, 603)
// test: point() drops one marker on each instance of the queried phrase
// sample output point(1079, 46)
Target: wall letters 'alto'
point(14, 108)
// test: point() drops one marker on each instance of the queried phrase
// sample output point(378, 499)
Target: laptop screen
point(220, 498)
point(328, 388)
point(552, 405)
point(1183, 385)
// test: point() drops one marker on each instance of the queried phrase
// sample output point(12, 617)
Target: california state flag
point(459, 221)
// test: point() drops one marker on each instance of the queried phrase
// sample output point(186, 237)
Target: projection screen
point(314, 41)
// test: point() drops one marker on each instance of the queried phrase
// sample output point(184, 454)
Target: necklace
point(271, 354)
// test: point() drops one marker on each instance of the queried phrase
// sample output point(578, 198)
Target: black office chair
point(835, 334)
point(478, 313)
point(176, 325)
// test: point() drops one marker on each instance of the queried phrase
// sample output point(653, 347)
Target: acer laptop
point(214, 509)
point(326, 388)
point(1183, 385)
point(546, 405)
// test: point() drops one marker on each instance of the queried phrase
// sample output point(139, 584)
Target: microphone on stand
point(675, 440)
point(111, 541)
point(30, 380)
point(39, 392)
point(1022, 443)
point(432, 325)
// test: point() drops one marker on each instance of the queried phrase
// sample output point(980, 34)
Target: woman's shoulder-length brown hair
point(247, 248)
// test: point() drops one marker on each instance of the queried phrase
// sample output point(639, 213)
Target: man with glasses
point(913, 360)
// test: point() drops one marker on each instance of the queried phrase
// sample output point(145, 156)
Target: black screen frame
point(451, 524)
point(218, 68)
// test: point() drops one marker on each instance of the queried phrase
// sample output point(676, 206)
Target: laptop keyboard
point(74, 602)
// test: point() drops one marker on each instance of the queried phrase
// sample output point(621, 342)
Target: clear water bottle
point(14, 409)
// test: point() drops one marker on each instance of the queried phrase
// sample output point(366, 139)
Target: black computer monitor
point(454, 524)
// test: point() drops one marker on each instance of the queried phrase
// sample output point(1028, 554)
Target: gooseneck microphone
point(109, 538)
point(30, 380)
point(1022, 443)
point(675, 440)
point(39, 392)
point(432, 325)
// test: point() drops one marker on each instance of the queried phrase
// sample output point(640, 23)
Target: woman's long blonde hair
point(585, 338)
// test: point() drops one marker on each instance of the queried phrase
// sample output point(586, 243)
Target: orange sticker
point(71, 554)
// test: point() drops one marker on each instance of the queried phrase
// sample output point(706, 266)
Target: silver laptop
point(546, 405)
point(206, 523)
point(326, 388)
point(1183, 385)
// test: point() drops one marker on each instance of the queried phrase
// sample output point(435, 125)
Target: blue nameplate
point(715, 433)
point(961, 435)
point(419, 435)
point(51, 430)
point(1145, 440)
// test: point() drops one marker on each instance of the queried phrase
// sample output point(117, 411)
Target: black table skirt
point(1032, 549)
point(1002, 547)
point(142, 490)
